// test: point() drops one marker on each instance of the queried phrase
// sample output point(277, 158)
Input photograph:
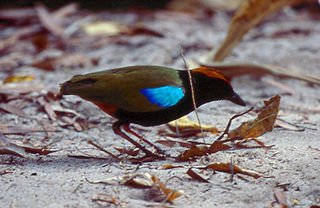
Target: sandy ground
point(292, 165)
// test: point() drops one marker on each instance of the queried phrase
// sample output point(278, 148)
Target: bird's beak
point(237, 100)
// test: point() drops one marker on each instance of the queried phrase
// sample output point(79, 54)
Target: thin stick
point(226, 131)
point(103, 150)
point(192, 92)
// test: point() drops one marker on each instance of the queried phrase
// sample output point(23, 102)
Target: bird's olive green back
point(121, 87)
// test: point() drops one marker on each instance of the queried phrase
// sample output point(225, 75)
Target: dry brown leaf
point(108, 198)
point(238, 69)
point(227, 168)
point(196, 176)
point(170, 193)
point(170, 166)
point(218, 146)
point(249, 14)
point(193, 152)
point(262, 124)
point(7, 147)
point(141, 180)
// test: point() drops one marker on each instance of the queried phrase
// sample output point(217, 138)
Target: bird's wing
point(135, 89)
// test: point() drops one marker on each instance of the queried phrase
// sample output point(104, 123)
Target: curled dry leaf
point(7, 147)
point(170, 193)
point(142, 180)
point(196, 176)
point(193, 152)
point(227, 168)
point(185, 124)
point(262, 124)
point(107, 198)
point(200, 150)
point(249, 14)
point(170, 166)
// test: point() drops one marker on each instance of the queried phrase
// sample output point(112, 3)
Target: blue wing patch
point(163, 96)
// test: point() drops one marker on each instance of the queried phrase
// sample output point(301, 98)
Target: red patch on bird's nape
point(211, 73)
point(109, 109)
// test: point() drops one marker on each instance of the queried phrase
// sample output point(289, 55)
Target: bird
point(149, 95)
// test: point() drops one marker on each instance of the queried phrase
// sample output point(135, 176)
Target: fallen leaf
point(104, 28)
point(18, 78)
point(170, 166)
point(249, 14)
point(185, 124)
point(193, 152)
point(238, 69)
point(141, 180)
point(13, 110)
point(102, 197)
point(171, 143)
point(7, 147)
point(196, 176)
point(111, 28)
point(47, 108)
point(193, 6)
point(280, 198)
point(262, 124)
point(217, 146)
point(227, 168)
point(50, 22)
point(170, 193)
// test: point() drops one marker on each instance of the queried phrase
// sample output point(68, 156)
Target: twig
point(192, 92)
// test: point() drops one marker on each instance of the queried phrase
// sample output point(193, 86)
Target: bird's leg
point(116, 127)
point(126, 127)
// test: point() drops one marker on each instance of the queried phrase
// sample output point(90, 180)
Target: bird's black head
point(211, 85)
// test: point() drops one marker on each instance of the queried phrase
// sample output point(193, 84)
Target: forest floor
point(290, 168)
